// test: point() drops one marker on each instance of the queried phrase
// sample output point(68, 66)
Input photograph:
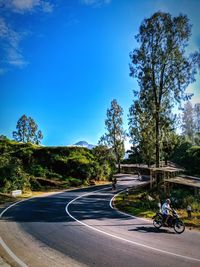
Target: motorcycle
point(173, 221)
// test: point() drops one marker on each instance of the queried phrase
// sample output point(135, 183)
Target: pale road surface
point(80, 228)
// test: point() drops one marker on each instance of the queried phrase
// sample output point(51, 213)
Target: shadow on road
point(52, 208)
point(145, 229)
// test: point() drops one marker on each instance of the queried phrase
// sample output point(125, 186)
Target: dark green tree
point(106, 160)
point(115, 136)
point(22, 130)
point(142, 133)
point(27, 131)
point(161, 66)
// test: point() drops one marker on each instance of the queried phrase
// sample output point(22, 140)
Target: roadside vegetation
point(31, 167)
point(144, 203)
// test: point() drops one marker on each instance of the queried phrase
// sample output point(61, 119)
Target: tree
point(106, 161)
point(115, 136)
point(27, 131)
point(141, 132)
point(161, 66)
point(197, 117)
point(3, 137)
point(170, 141)
point(188, 125)
point(22, 130)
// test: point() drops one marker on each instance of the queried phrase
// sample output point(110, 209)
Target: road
point(80, 228)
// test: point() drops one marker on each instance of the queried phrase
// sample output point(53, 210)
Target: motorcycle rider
point(165, 211)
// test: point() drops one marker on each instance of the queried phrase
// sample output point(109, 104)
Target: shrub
point(74, 181)
point(193, 156)
point(53, 175)
point(13, 176)
point(38, 171)
point(35, 185)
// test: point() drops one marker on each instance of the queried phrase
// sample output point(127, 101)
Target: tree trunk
point(157, 140)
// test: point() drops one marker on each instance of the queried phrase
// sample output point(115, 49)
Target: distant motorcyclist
point(165, 211)
point(114, 182)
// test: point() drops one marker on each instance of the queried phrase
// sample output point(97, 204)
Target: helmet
point(168, 200)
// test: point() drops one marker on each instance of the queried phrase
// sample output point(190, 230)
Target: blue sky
point(62, 62)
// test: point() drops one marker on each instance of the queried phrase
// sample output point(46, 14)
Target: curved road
point(80, 228)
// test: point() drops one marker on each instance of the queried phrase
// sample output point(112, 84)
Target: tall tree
point(22, 130)
point(27, 131)
point(188, 125)
point(142, 132)
point(161, 66)
point(197, 117)
point(114, 137)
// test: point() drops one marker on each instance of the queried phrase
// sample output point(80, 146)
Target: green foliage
point(188, 156)
point(12, 175)
point(34, 184)
point(142, 133)
point(27, 131)
point(22, 163)
point(106, 162)
point(162, 68)
point(38, 171)
point(74, 181)
point(53, 175)
point(193, 158)
point(183, 197)
point(115, 135)
point(188, 125)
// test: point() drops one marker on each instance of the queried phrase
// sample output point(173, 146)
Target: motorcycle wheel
point(179, 227)
point(157, 222)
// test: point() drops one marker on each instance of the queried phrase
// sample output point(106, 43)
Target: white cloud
point(15, 58)
point(10, 38)
point(95, 3)
point(22, 6)
point(10, 41)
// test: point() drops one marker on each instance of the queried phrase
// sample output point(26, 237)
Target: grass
point(136, 205)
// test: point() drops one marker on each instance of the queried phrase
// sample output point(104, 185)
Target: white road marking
point(118, 237)
point(7, 249)
point(22, 264)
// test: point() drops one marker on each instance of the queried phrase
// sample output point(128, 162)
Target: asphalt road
point(80, 228)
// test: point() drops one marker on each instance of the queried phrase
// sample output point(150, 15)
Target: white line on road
point(121, 238)
point(7, 249)
point(3, 244)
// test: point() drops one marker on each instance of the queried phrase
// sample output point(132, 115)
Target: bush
point(193, 156)
point(13, 176)
point(74, 181)
point(35, 185)
point(38, 171)
point(53, 175)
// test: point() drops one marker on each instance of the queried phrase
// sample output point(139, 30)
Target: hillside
point(27, 166)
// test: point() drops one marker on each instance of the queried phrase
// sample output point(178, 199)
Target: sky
point(62, 62)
